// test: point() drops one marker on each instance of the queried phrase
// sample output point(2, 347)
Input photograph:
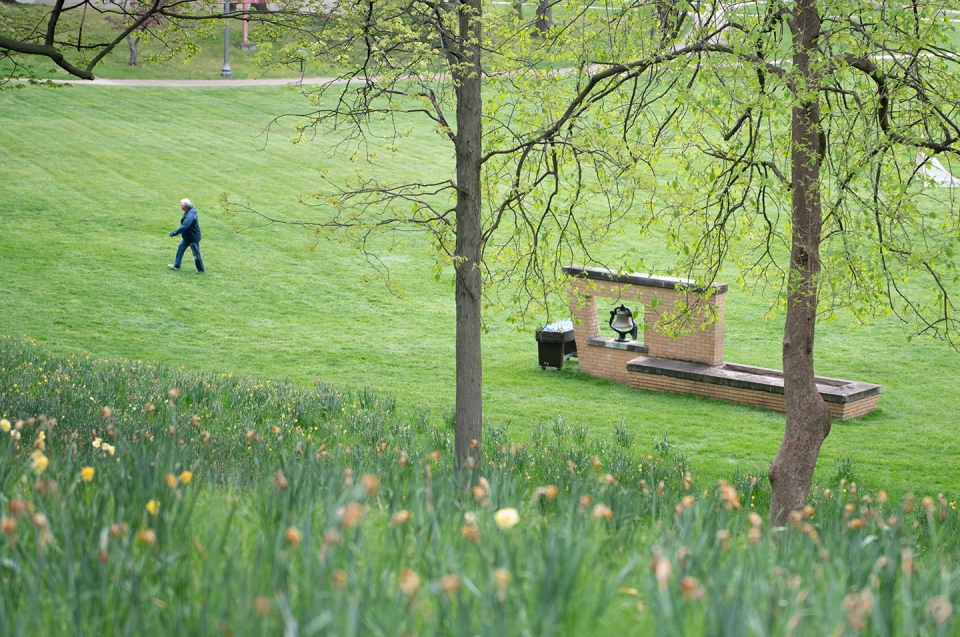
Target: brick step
point(746, 384)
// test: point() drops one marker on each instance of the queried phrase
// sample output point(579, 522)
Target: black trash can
point(555, 344)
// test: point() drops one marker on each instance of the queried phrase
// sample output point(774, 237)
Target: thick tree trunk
point(134, 43)
point(808, 417)
point(544, 18)
point(469, 409)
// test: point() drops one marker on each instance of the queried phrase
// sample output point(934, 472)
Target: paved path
point(187, 83)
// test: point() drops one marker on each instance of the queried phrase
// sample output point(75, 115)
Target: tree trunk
point(808, 417)
point(133, 43)
point(670, 18)
point(469, 409)
point(544, 18)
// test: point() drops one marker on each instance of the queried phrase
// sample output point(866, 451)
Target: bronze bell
point(621, 322)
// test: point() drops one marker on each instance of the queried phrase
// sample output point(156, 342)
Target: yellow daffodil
point(39, 462)
point(109, 448)
point(96, 442)
point(87, 474)
point(506, 518)
point(172, 481)
point(185, 477)
point(152, 507)
point(4, 425)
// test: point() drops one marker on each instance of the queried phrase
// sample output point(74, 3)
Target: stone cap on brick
point(833, 390)
point(646, 280)
point(612, 343)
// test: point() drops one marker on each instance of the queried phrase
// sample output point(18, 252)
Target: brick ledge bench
point(747, 384)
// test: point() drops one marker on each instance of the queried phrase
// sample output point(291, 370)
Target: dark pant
point(195, 248)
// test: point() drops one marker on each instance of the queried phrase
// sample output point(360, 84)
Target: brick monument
point(692, 362)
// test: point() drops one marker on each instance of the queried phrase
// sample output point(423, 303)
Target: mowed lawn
point(90, 180)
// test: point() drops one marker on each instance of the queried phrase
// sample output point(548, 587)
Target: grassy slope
point(90, 178)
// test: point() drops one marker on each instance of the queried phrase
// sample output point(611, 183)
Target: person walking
point(190, 228)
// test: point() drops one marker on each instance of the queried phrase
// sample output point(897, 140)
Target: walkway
point(197, 83)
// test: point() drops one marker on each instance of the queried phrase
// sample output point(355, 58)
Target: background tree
point(133, 10)
point(544, 20)
point(56, 33)
point(34, 32)
point(794, 127)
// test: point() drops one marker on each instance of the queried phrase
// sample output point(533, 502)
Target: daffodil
point(601, 510)
point(4, 425)
point(152, 507)
point(109, 448)
point(293, 535)
point(502, 577)
point(185, 477)
point(400, 517)
point(39, 462)
point(86, 474)
point(97, 442)
point(506, 518)
point(409, 582)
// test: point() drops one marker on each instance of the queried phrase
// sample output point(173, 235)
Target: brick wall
point(768, 400)
point(854, 409)
point(604, 362)
point(703, 343)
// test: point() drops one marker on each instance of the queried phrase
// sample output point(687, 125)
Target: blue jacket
point(189, 226)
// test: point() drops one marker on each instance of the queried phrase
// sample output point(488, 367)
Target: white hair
point(186, 202)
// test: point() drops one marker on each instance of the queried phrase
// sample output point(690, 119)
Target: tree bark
point(544, 18)
point(669, 17)
point(133, 43)
point(807, 415)
point(467, 73)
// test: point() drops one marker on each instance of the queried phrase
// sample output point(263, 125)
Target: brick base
point(768, 400)
point(606, 363)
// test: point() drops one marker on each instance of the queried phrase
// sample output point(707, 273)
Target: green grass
point(90, 179)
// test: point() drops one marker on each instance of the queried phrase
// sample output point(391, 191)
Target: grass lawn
point(90, 180)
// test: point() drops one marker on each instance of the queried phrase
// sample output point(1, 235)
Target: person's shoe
point(172, 267)
point(200, 271)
